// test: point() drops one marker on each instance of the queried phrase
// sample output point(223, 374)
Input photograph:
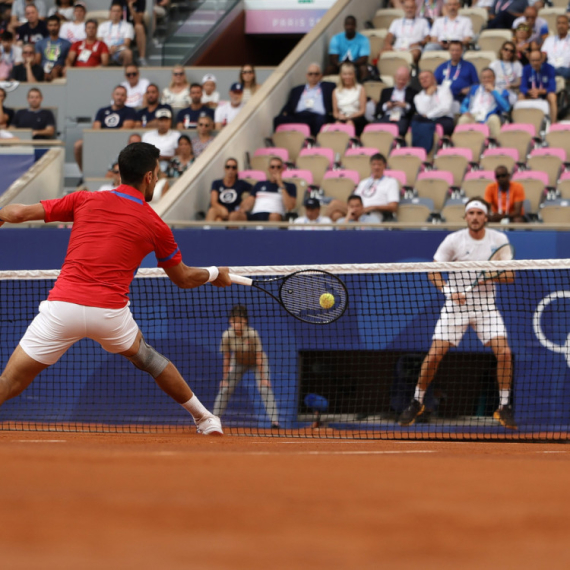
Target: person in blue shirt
point(538, 84)
point(51, 52)
point(349, 46)
point(457, 74)
point(484, 104)
point(505, 12)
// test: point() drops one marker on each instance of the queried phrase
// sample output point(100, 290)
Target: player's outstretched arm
point(190, 277)
point(19, 213)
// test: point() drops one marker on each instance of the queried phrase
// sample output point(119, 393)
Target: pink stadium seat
point(399, 175)
point(410, 151)
point(480, 174)
point(439, 131)
point(392, 129)
point(282, 153)
point(560, 127)
point(531, 174)
point(306, 175)
point(300, 127)
point(331, 127)
point(559, 152)
point(352, 174)
point(527, 127)
point(512, 152)
point(360, 151)
point(473, 127)
point(326, 152)
point(439, 174)
point(255, 174)
point(466, 153)
point(565, 176)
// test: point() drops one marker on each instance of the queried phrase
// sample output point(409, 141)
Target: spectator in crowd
point(118, 35)
point(188, 118)
point(146, 118)
point(204, 138)
point(380, 194)
point(10, 55)
point(74, 31)
point(424, 8)
point(310, 104)
point(396, 103)
point(5, 17)
point(409, 33)
point(508, 71)
point(522, 43)
point(433, 105)
point(459, 75)
point(485, 103)
point(505, 12)
point(271, 198)
point(450, 28)
point(41, 121)
point(505, 198)
point(538, 87)
point(63, 9)
point(183, 159)
point(349, 45)
point(248, 79)
point(159, 11)
point(136, 86)
point(19, 15)
point(51, 52)
point(538, 26)
point(312, 217)
point(177, 94)
point(228, 111)
point(115, 178)
point(115, 116)
point(210, 96)
point(556, 49)
point(28, 71)
point(355, 212)
point(163, 138)
point(89, 52)
point(133, 12)
point(34, 29)
point(133, 138)
point(226, 196)
point(349, 99)
point(6, 115)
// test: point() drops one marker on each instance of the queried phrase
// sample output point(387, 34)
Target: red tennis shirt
point(113, 231)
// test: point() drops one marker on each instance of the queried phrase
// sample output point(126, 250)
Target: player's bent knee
point(149, 360)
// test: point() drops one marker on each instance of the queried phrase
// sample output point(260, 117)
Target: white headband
point(476, 204)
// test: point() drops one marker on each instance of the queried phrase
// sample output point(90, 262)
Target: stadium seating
point(380, 136)
point(252, 176)
point(317, 160)
point(454, 160)
point(291, 137)
point(358, 159)
point(262, 156)
point(409, 160)
point(391, 61)
point(480, 59)
point(494, 157)
point(556, 212)
point(376, 38)
point(410, 212)
point(519, 136)
point(431, 60)
point(549, 160)
point(534, 183)
point(563, 187)
point(492, 40)
point(434, 185)
point(473, 136)
point(339, 184)
point(337, 136)
point(385, 17)
point(558, 136)
point(476, 181)
point(453, 211)
point(478, 17)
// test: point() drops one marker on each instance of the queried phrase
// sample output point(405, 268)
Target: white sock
point(195, 407)
point(419, 395)
point(504, 397)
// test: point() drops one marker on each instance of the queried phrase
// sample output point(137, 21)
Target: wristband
point(447, 291)
point(214, 272)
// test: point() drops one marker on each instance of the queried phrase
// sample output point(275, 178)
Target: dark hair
point(6, 36)
point(135, 161)
point(92, 21)
point(53, 18)
point(195, 85)
point(116, 4)
point(455, 42)
point(186, 138)
point(239, 311)
point(119, 87)
point(154, 85)
point(254, 81)
point(354, 197)
point(378, 156)
point(34, 89)
point(231, 158)
point(512, 44)
point(3, 91)
point(350, 18)
point(58, 3)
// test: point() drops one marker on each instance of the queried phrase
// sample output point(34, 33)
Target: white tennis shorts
point(454, 320)
point(58, 325)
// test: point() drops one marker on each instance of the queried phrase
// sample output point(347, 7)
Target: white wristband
point(214, 272)
point(447, 291)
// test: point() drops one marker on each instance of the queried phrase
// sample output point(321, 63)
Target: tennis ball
point(326, 300)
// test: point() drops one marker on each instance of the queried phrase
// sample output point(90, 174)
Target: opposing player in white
point(468, 307)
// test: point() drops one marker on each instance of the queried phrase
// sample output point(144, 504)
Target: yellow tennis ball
point(326, 300)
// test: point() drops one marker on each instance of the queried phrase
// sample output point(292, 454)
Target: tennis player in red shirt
point(112, 232)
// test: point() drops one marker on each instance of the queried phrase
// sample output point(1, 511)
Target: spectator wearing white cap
point(248, 79)
point(163, 137)
point(312, 217)
point(210, 96)
point(227, 112)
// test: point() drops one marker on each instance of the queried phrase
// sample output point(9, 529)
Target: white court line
point(551, 452)
point(339, 452)
point(39, 441)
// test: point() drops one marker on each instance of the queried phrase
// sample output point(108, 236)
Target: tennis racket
point(504, 253)
point(305, 295)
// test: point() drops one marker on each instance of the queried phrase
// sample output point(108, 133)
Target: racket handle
point(240, 280)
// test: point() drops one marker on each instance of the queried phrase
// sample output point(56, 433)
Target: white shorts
point(58, 325)
point(453, 322)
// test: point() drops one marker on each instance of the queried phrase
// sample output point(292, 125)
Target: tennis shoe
point(210, 425)
point(411, 413)
point(504, 415)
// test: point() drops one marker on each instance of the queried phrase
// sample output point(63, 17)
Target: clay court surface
point(85, 501)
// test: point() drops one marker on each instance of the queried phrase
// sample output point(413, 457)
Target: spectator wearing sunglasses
point(226, 196)
point(115, 178)
point(29, 71)
point(204, 138)
point(177, 93)
point(249, 81)
point(508, 71)
point(505, 198)
point(136, 87)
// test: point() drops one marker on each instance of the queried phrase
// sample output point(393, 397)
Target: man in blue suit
point(310, 104)
point(538, 86)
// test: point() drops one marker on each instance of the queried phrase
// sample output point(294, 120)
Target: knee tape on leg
point(149, 360)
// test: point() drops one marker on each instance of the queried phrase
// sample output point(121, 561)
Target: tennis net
point(353, 378)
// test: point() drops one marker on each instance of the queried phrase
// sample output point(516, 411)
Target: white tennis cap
point(476, 204)
point(209, 77)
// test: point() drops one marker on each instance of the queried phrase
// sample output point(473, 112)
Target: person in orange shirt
point(505, 197)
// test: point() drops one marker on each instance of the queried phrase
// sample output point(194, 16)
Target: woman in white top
point(64, 9)
point(248, 80)
point(508, 71)
point(349, 99)
point(177, 94)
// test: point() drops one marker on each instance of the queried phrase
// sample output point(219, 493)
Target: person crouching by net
point(470, 300)
point(243, 351)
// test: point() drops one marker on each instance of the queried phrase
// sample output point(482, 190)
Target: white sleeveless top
point(348, 100)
